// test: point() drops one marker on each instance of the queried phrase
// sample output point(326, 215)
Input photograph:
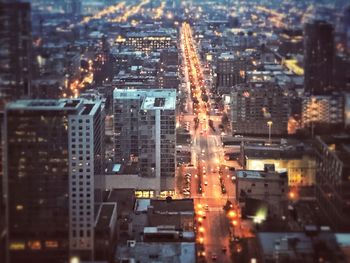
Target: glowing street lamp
point(269, 124)
point(232, 214)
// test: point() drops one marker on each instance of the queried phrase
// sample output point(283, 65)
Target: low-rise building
point(297, 160)
point(269, 187)
point(296, 247)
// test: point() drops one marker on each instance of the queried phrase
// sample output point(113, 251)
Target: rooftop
point(252, 174)
point(300, 245)
point(125, 198)
point(170, 252)
point(44, 104)
point(174, 205)
point(164, 99)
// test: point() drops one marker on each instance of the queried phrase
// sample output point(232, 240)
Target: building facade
point(15, 55)
point(324, 110)
point(144, 128)
point(270, 187)
point(50, 182)
point(319, 53)
point(333, 180)
point(148, 41)
point(86, 155)
point(230, 71)
point(255, 105)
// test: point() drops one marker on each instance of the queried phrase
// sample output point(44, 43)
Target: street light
point(269, 124)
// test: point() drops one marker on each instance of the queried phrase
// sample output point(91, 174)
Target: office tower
point(54, 159)
point(259, 109)
point(86, 155)
point(230, 71)
point(144, 128)
point(15, 52)
point(318, 57)
point(15, 55)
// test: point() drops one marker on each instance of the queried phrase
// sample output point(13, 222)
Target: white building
point(86, 151)
point(144, 133)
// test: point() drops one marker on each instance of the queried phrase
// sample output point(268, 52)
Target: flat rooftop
point(164, 99)
point(45, 104)
point(252, 174)
point(175, 205)
point(83, 106)
point(169, 252)
point(226, 56)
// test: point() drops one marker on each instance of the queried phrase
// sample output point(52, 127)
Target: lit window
point(51, 244)
point(35, 245)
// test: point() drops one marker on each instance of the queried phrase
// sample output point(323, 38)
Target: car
point(214, 256)
point(206, 207)
point(224, 249)
point(206, 183)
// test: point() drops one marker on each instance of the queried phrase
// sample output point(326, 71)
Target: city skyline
point(174, 131)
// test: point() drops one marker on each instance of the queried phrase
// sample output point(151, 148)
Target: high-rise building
point(53, 157)
point(230, 71)
point(15, 51)
point(259, 109)
point(318, 57)
point(144, 128)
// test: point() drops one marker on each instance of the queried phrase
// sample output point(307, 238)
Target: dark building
point(230, 70)
point(15, 50)
point(54, 153)
point(259, 109)
point(318, 57)
point(15, 47)
point(37, 182)
point(333, 180)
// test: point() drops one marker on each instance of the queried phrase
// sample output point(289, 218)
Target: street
point(211, 184)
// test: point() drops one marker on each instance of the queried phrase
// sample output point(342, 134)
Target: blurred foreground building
point(53, 179)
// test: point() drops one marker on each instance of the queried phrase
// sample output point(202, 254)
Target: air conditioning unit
point(131, 243)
